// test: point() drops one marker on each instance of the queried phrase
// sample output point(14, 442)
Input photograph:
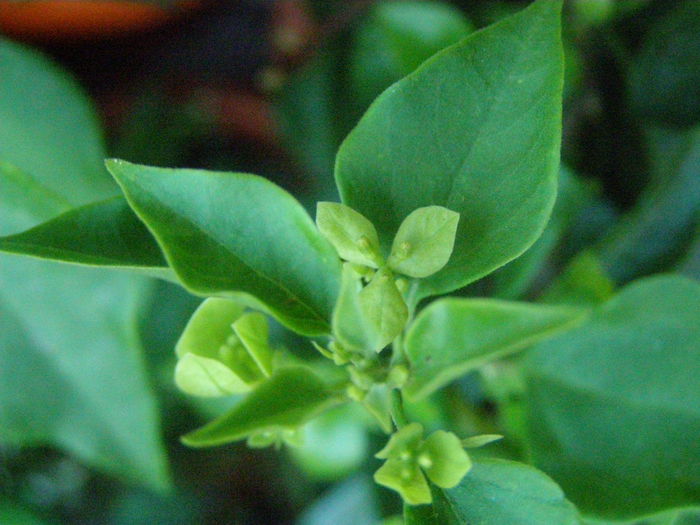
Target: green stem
point(397, 412)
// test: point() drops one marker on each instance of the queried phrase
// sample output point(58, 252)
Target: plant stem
point(397, 412)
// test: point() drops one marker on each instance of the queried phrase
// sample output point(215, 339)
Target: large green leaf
point(516, 277)
point(613, 405)
point(687, 516)
point(105, 233)
point(234, 234)
point(496, 492)
point(48, 127)
point(453, 336)
point(71, 373)
point(475, 129)
point(285, 401)
point(70, 370)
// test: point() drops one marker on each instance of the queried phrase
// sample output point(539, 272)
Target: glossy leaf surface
point(453, 336)
point(48, 127)
point(287, 400)
point(475, 129)
point(613, 404)
point(105, 233)
point(233, 234)
point(495, 492)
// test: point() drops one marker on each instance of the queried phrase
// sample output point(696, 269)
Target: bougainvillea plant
point(450, 174)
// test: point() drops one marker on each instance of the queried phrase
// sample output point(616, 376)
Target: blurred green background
point(89, 416)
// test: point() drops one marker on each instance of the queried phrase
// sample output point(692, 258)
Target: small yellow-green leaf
point(404, 440)
point(383, 308)
point(209, 327)
point(350, 233)
point(378, 403)
point(252, 330)
point(405, 478)
point(206, 377)
point(349, 326)
point(424, 242)
point(443, 459)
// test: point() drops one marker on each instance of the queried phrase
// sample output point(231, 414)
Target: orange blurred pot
point(71, 19)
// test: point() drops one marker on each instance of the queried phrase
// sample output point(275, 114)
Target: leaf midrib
point(166, 250)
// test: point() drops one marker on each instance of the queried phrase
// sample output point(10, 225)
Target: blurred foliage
point(629, 206)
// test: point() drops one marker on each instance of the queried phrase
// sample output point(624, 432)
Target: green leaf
point(384, 309)
point(48, 128)
point(222, 351)
point(446, 462)
point(106, 233)
point(406, 479)
point(288, 399)
point(475, 129)
point(68, 336)
point(25, 200)
point(68, 339)
point(207, 377)
point(515, 279)
point(480, 440)
point(496, 492)
point(613, 405)
point(453, 336)
point(424, 242)
point(689, 516)
point(209, 327)
point(237, 235)
point(369, 318)
point(352, 235)
point(349, 325)
point(251, 328)
point(405, 439)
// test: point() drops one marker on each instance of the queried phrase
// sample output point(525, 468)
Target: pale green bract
point(424, 242)
point(410, 458)
point(351, 234)
point(223, 350)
